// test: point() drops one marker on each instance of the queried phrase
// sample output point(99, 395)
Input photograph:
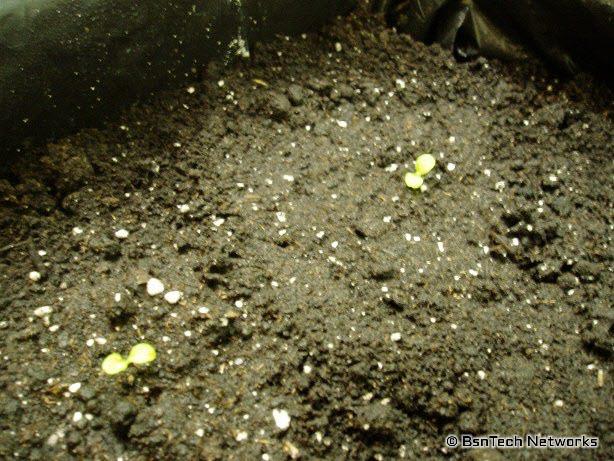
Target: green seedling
point(413, 180)
point(114, 363)
point(424, 164)
point(140, 354)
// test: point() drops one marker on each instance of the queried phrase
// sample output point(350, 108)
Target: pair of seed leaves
point(140, 354)
point(424, 164)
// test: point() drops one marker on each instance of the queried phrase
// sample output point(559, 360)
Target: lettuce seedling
point(114, 363)
point(424, 164)
point(413, 180)
point(140, 354)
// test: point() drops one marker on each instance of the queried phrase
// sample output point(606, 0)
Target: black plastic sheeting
point(66, 64)
point(569, 34)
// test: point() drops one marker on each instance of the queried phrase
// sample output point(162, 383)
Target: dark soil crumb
point(313, 280)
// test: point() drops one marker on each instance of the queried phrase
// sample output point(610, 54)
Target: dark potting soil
point(313, 280)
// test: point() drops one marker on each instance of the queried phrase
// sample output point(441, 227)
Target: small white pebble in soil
point(451, 139)
point(154, 287)
point(395, 337)
point(288, 177)
point(218, 222)
point(282, 419)
point(239, 303)
point(400, 83)
point(42, 311)
point(35, 276)
point(558, 403)
point(203, 310)
point(241, 436)
point(473, 272)
point(191, 90)
point(387, 219)
point(52, 440)
point(78, 416)
point(199, 432)
point(451, 166)
point(342, 123)
point(122, 234)
point(392, 167)
point(307, 369)
point(74, 387)
point(281, 216)
point(335, 244)
point(220, 83)
point(173, 297)
point(77, 231)
point(515, 242)
point(481, 374)
point(183, 208)
point(440, 246)
point(338, 47)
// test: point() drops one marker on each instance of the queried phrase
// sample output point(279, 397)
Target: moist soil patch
point(271, 195)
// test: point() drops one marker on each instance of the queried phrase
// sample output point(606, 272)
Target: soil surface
point(313, 281)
